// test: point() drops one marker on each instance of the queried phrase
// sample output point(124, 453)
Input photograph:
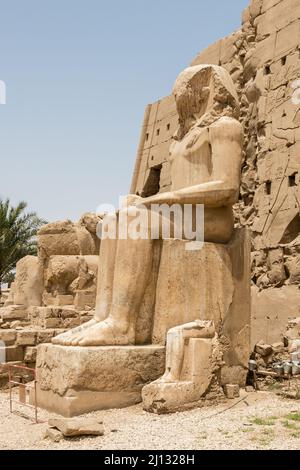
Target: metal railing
point(22, 388)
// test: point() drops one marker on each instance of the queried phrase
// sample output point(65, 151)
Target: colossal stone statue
point(205, 158)
point(160, 289)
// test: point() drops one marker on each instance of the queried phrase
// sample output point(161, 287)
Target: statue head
point(203, 94)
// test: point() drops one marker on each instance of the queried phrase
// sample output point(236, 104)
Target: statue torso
point(190, 159)
point(191, 165)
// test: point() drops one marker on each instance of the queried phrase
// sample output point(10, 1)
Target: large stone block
point(271, 311)
point(210, 55)
point(8, 336)
point(278, 17)
point(267, 4)
point(255, 8)
point(26, 338)
point(54, 317)
point(288, 38)
point(75, 380)
point(65, 238)
point(13, 353)
point(261, 54)
point(13, 312)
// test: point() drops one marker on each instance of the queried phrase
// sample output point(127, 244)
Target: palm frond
point(17, 235)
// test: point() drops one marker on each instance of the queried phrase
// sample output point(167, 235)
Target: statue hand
point(131, 200)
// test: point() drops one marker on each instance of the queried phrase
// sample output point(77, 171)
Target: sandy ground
point(261, 420)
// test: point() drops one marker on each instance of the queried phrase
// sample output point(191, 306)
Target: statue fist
point(131, 200)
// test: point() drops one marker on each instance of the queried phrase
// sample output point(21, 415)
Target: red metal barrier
point(23, 387)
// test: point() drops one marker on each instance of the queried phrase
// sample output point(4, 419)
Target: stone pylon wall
point(263, 58)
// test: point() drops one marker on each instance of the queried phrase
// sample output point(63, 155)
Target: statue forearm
point(212, 194)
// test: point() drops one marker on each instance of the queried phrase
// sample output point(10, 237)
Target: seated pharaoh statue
point(172, 312)
point(205, 157)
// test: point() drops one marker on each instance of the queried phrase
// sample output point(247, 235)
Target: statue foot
point(168, 377)
point(67, 336)
point(105, 333)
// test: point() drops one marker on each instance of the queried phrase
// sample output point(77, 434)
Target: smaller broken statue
point(65, 270)
point(193, 355)
point(155, 293)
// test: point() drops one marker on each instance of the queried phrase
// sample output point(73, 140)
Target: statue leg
point(133, 263)
point(105, 278)
point(174, 355)
point(104, 291)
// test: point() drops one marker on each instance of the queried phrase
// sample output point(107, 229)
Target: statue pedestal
point(210, 284)
point(76, 380)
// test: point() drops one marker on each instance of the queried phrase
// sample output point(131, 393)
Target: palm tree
point(17, 236)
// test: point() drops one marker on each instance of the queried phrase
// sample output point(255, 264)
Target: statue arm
point(212, 194)
point(226, 143)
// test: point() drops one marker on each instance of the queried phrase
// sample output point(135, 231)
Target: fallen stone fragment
point(54, 435)
point(71, 427)
point(249, 388)
point(278, 347)
point(232, 391)
point(263, 349)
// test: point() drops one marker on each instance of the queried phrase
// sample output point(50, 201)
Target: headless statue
point(205, 158)
point(177, 338)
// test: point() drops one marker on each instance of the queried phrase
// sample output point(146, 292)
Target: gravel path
point(258, 422)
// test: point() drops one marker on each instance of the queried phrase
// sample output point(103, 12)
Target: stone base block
point(169, 397)
point(76, 380)
point(13, 312)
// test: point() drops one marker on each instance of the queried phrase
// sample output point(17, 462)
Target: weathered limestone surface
point(69, 254)
point(52, 292)
point(77, 426)
point(75, 380)
point(28, 286)
point(220, 293)
point(63, 371)
point(66, 238)
point(68, 276)
point(164, 397)
point(272, 307)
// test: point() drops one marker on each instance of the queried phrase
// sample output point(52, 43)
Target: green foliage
point(263, 422)
point(294, 416)
point(17, 236)
point(9, 278)
point(289, 425)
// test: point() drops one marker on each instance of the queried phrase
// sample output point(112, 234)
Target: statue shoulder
point(226, 128)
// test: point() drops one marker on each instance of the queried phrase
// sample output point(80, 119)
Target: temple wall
point(263, 58)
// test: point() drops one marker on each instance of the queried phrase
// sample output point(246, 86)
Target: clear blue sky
point(78, 75)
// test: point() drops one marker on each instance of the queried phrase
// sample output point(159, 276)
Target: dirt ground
point(258, 420)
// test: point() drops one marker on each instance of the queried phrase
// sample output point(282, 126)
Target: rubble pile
point(277, 366)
